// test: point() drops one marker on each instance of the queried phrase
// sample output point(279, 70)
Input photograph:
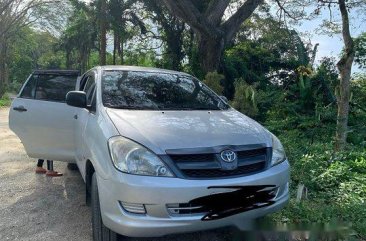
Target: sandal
point(40, 170)
point(53, 174)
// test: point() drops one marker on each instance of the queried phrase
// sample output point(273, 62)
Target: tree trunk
point(68, 59)
point(210, 53)
point(115, 46)
point(84, 61)
point(3, 71)
point(103, 33)
point(174, 49)
point(120, 51)
point(345, 70)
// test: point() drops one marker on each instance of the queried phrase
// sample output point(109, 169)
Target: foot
point(40, 170)
point(53, 174)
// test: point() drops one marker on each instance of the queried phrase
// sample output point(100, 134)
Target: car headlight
point(130, 157)
point(278, 152)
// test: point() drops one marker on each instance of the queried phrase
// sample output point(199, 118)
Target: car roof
point(56, 72)
point(141, 69)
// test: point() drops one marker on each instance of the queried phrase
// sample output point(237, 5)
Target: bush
point(245, 98)
point(5, 100)
point(336, 182)
point(213, 80)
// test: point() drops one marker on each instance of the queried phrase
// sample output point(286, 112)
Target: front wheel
point(100, 232)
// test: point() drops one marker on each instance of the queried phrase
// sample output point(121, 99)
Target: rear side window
point(49, 87)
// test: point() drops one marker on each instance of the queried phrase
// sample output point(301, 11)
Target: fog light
point(133, 208)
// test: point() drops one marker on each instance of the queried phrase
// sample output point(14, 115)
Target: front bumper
point(156, 193)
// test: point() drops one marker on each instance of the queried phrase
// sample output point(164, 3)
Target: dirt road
point(36, 207)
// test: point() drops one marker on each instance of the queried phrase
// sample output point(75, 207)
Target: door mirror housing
point(224, 99)
point(76, 99)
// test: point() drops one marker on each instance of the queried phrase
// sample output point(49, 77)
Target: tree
point(360, 49)
point(121, 13)
point(80, 36)
point(31, 49)
point(207, 20)
point(345, 69)
point(102, 7)
point(172, 29)
point(265, 51)
point(346, 61)
point(14, 15)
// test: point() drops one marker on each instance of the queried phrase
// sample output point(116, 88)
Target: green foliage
point(245, 98)
point(213, 80)
point(5, 100)
point(357, 118)
point(147, 59)
point(304, 87)
point(78, 39)
point(193, 66)
point(360, 47)
point(265, 52)
point(31, 50)
point(336, 183)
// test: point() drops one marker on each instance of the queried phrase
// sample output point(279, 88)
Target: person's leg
point(49, 165)
point(39, 168)
point(50, 171)
point(40, 163)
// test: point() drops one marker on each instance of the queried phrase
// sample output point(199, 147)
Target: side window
point(83, 81)
point(29, 88)
point(54, 87)
point(89, 89)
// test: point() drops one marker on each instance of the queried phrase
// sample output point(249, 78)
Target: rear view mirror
point(76, 99)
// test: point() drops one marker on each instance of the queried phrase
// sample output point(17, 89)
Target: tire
point(72, 166)
point(100, 232)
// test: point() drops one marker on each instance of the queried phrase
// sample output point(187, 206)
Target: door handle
point(20, 108)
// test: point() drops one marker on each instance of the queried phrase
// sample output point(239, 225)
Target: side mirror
point(224, 98)
point(76, 99)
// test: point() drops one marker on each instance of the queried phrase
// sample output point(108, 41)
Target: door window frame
point(33, 94)
point(92, 108)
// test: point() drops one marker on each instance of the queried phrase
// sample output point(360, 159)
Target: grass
point(5, 101)
point(336, 189)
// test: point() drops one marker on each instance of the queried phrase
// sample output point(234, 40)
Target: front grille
point(251, 153)
point(193, 158)
point(209, 165)
point(242, 170)
point(185, 209)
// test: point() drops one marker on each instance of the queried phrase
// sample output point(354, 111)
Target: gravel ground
point(36, 207)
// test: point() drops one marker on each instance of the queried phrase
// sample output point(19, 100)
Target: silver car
point(159, 151)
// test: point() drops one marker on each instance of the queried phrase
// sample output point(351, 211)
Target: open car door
point(40, 117)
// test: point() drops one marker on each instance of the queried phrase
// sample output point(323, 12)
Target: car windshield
point(157, 91)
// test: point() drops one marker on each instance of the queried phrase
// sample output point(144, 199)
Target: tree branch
point(215, 11)
point(232, 25)
point(185, 10)
point(5, 5)
point(347, 38)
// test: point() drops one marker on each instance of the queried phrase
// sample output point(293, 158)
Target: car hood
point(161, 131)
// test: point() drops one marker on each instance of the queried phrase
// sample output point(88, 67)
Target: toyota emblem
point(228, 156)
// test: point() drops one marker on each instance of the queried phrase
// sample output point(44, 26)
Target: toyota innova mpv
point(159, 151)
